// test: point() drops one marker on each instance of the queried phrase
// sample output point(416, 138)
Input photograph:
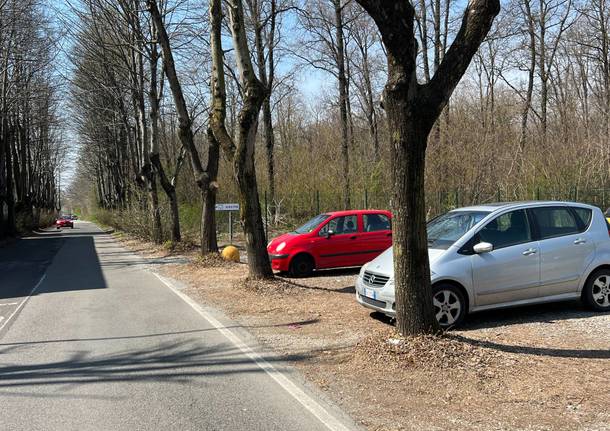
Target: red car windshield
point(312, 224)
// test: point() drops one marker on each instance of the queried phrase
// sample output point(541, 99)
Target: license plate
point(370, 293)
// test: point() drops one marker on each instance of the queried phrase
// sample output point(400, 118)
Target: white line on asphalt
point(9, 303)
point(23, 302)
point(288, 385)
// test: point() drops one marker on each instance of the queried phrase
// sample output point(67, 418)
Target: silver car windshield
point(445, 230)
point(312, 224)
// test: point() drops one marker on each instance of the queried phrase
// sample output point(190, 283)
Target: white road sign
point(227, 207)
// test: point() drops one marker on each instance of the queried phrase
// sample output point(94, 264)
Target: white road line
point(22, 303)
point(288, 385)
point(9, 303)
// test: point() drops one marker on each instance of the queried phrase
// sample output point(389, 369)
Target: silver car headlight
point(361, 274)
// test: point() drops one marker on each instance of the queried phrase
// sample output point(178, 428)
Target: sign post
point(230, 208)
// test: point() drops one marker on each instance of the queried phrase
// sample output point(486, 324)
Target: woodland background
point(530, 120)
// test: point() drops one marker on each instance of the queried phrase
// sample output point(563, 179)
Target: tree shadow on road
point(9, 347)
point(170, 361)
point(23, 264)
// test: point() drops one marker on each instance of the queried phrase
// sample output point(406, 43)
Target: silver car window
point(507, 229)
point(585, 215)
point(555, 221)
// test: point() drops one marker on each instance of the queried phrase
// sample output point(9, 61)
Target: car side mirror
point(329, 234)
point(483, 247)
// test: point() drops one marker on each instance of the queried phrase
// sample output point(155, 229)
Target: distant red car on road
point(65, 221)
point(332, 240)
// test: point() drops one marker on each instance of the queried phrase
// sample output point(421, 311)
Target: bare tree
point(31, 151)
point(412, 109)
point(204, 177)
point(241, 151)
point(365, 65)
point(326, 51)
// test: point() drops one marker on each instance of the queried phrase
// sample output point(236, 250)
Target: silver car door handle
point(580, 241)
point(530, 251)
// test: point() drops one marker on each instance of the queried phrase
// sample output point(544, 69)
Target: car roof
point(352, 212)
point(492, 207)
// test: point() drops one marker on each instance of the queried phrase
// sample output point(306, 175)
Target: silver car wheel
point(601, 291)
point(447, 307)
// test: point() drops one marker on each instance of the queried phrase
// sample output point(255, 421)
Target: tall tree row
point(31, 151)
point(118, 92)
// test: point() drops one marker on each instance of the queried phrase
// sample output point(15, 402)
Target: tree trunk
point(530, 83)
point(414, 310)
point(174, 214)
point(342, 102)
point(412, 110)
point(267, 79)
point(269, 147)
point(11, 227)
point(250, 210)
point(151, 185)
point(209, 242)
point(169, 189)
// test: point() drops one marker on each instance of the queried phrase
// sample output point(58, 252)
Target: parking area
point(533, 368)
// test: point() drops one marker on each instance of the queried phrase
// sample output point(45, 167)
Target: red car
point(65, 221)
point(332, 240)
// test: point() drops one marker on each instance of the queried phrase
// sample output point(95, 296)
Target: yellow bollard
point(230, 253)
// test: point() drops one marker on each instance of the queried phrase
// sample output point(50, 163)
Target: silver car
point(504, 255)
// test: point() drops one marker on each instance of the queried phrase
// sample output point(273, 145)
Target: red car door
point(337, 242)
point(376, 236)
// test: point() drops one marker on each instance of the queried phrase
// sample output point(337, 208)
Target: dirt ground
point(535, 368)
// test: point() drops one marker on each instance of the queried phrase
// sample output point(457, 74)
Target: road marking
point(22, 303)
point(288, 385)
point(9, 303)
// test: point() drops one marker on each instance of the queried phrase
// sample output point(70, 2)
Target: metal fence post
point(366, 199)
point(230, 227)
point(317, 201)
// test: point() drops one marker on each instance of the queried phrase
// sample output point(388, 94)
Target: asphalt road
point(103, 344)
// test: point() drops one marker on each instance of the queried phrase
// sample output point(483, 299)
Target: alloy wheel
point(601, 291)
point(447, 307)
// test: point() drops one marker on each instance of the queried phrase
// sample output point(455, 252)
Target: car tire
point(597, 290)
point(301, 266)
point(449, 305)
